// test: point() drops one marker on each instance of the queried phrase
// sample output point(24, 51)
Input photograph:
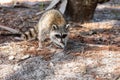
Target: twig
point(9, 29)
point(63, 6)
point(40, 12)
point(52, 4)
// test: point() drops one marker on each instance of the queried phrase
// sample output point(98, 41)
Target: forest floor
point(92, 53)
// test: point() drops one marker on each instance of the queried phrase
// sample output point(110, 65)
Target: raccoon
point(51, 24)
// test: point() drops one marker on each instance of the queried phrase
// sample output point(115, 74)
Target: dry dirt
point(92, 53)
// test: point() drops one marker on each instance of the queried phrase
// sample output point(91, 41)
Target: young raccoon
point(53, 24)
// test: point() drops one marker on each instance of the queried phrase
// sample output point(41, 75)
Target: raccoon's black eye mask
point(64, 36)
point(61, 36)
point(58, 36)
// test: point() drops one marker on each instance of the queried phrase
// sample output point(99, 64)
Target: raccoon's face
point(59, 35)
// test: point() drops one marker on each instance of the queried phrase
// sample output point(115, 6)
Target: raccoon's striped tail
point(28, 35)
point(31, 34)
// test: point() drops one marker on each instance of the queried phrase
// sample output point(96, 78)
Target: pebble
point(25, 57)
point(11, 57)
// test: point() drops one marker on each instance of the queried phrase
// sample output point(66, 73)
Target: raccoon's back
point(51, 17)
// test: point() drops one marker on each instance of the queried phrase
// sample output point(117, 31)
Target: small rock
point(11, 57)
point(51, 64)
point(80, 68)
point(25, 57)
point(92, 32)
point(16, 67)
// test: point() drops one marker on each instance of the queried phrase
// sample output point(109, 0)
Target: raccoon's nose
point(62, 46)
point(62, 42)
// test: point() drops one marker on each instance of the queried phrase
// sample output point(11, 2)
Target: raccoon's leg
point(43, 37)
point(39, 40)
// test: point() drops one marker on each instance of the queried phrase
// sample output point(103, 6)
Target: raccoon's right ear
point(67, 26)
point(54, 27)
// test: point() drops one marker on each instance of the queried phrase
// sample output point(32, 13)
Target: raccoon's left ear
point(67, 26)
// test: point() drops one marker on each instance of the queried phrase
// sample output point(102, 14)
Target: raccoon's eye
point(58, 36)
point(64, 35)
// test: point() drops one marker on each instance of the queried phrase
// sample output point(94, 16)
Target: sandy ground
point(92, 53)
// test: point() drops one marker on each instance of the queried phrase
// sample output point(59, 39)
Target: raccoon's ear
point(54, 27)
point(67, 26)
